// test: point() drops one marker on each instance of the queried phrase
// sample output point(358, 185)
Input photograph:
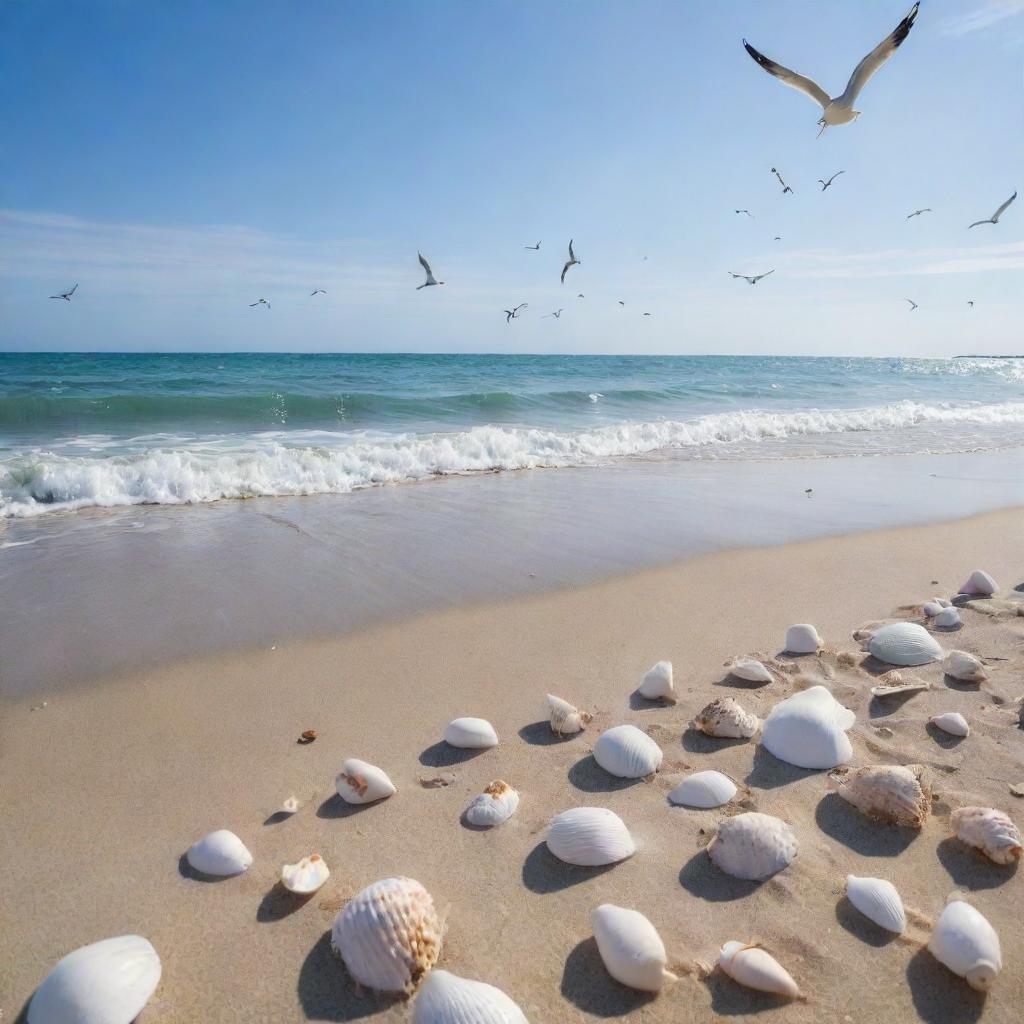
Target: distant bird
point(839, 110)
point(260, 302)
point(317, 291)
point(777, 238)
point(570, 262)
point(430, 274)
point(621, 303)
point(647, 314)
point(66, 296)
point(913, 305)
point(747, 212)
point(513, 314)
point(581, 296)
point(537, 246)
point(785, 187)
point(555, 315)
point(752, 280)
point(994, 219)
point(917, 213)
point(645, 258)
point(970, 302)
point(825, 184)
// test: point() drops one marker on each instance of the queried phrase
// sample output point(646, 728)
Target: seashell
point(471, 733)
point(389, 935)
point(106, 982)
point(877, 900)
point(752, 846)
point(753, 967)
point(566, 719)
point(362, 783)
point(904, 643)
point(942, 602)
point(989, 830)
point(305, 877)
point(219, 853)
point(630, 947)
point(448, 999)
point(893, 683)
point(749, 669)
point(964, 666)
point(724, 717)
point(657, 683)
point(809, 730)
point(931, 608)
point(627, 752)
point(967, 944)
point(589, 837)
point(802, 639)
point(894, 794)
point(290, 805)
point(308, 736)
point(704, 789)
point(952, 722)
point(948, 618)
point(497, 803)
point(979, 584)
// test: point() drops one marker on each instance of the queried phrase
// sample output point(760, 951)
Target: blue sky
point(181, 160)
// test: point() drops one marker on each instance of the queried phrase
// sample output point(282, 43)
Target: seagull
point(785, 187)
point(752, 280)
point(570, 262)
point(66, 296)
point(839, 109)
point(994, 219)
point(970, 302)
point(913, 305)
point(777, 238)
point(917, 213)
point(747, 212)
point(621, 303)
point(537, 246)
point(555, 315)
point(647, 314)
point(430, 274)
point(317, 291)
point(581, 296)
point(825, 184)
point(260, 302)
point(513, 314)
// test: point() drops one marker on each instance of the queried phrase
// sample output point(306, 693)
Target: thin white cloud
point(988, 14)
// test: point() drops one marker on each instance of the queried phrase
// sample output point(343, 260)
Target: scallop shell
point(725, 717)
point(809, 730)
point(895, 794)
point(965, 667)
point(967, 944)
point(389, 935)
point(106, 982)
point(752, 846)
point(448, 999)
point(879, 901)
point(802, 639)
point(979, 584)
point(952, 722)
point(497, 803)
point(657, 683)
point(904, 643)
point(753, 967)
point(627, 752)
point(749, 669)
point(948, 618)
point(566, 719)
point(630, 947)
point(991, 831)
point(704, 789)
point(589, 837)
point(219, 853)
point(362, 783)
point(471, 733)
point(306, 876)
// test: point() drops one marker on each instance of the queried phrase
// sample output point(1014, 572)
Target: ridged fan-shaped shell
point(627, 753)
point(497, 803)
point(964, 666)
point(566, 719)
point(219, 853)
point(630, 947)
point(809, 730)
point(448, 999)
point(879, 901)
point(965, 942)
point(471, 733)
point(753, 846)
point(952, 722)
point(753, 967)
point(802, 639)
point(704, 789)
point(894, 794)
point(362, 783)
point(990, 831)
point(726, 718)
point(657, 682)
point(589, 837)
point(904, 643)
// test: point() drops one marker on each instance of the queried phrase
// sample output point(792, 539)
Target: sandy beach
point(107, 784)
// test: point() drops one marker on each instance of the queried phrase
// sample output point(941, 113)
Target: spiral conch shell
point(657, 683)
point(965, 942)
point(448, 999)
point(989, 830)
point(894, 794)
point(724, 717)
point(362, 783)
point(752, 846)
point(753, 967)
point(497, 803)
point(630, 947)
point(565, 719)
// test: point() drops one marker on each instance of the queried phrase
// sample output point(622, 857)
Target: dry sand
point(105, 787)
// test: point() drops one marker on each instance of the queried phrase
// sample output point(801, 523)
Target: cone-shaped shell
point(879, 901)
point(750, 670)
point(627, 752)
point(448, 999)
point(306, 876)
point(979, 584)
point(752, 846)
point(389, 935)
point(704, 789)
point(948, 618)
point(657, 682)
point(471, 733)
point(809, 730)
point(362, 783)
point(989, 830)
point(564, 718)
point(894, 794)
point(967, 944)
point(219, 853)
point(964, 666)
point(630, 947)
point(725, 717)
point(802, 639)
point(904, 643)
point(589, 837)
point(952, 722)
point(497, 803)
point(753, 967)
point(107, 982)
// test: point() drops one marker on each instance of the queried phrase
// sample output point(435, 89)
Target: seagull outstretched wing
point(877, 57)
point(790, 78)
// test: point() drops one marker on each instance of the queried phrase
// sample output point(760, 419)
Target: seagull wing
point(759, 276)
point(834, 176)
point(877, 57)
point(75, 289)
point(987, 220)
point(425, 265)
point(790, 78)
point(995, 216)
point(572, 255)
point(731, 274)
point(568, 264)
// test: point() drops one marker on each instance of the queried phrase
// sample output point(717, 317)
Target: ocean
point(82, 430)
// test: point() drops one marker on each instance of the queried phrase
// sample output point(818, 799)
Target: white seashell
point(964, 666)
point(565, 719)
point(657, 682)
point(290, 806)
point(471, 733)
point(952, 722)
point(809, 730)
point(497, 803)
point(362, 783)
point(448, 999)
point(305, 877)
point(627, 752)
point(947, 618)
point(704, 789)
point(219, 853)
point(895, 794)
point(989, 830)
point(753, 967)
point(802, 639)
point(106, 982)
point(899, 686)
point(589, 837)
point(931, 608)
point(877, 900)
point(967, 944)
point(942, 602)
point(980, 584)
point(389, 935)
point(630, 947)
point(904, 643)
point(725, 717)
point(750, 670)
point(752, 846)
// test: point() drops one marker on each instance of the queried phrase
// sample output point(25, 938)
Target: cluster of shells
point(390, 935)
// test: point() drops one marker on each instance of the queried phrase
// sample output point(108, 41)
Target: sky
point(179, 161)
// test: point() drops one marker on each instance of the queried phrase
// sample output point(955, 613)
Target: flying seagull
point(570, 262)
point(513, 314)
point(647, 314)
point(777, 238)
point(785, 187)
point(317, 291)
point(825, 184)
point(839, 109)
point(970, 302)
point(917, 213)
point(580, 296)
point(913, 305)
point(621, 303)
point(537, 246)
point(994, 219)
point(431, 280)
point(260, 302)
point(752, 280)
point(66, 296)
point(747, 212)
point(555, 315)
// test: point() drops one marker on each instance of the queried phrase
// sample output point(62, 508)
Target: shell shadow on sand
point(280, 903)
point(335, 807)
point(327, 993)
point(731, 999)
point(589, 777)
point(187, 871)
point(444, 755)
point(940, 997)
point(543, 872)
point(970, 868)
point(944, 739)
point(844, 823)
point(736, 683)
point(638, 702)
point(861, 927)
point(702, 879)
point(587, 984)
point(539, 734)
point(697, 742)
point(768, 772)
